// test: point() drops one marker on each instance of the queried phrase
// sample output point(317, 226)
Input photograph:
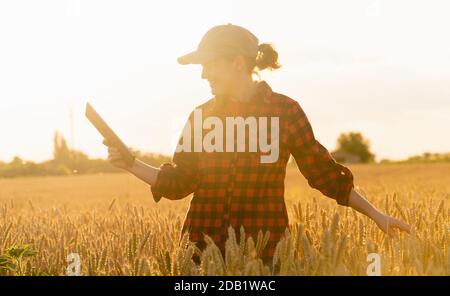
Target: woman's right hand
point(114, 156)
point(143, 171)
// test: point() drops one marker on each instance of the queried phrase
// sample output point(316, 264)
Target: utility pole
point(72, 128)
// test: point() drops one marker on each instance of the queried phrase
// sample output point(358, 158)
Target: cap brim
point(197, 57)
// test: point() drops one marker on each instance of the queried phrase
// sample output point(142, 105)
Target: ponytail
point(267, 58)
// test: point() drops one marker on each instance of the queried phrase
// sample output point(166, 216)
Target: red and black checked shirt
point(235, 188)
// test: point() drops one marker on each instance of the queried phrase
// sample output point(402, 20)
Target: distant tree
point(16, 162)
point(354, 143)
point(61, 152)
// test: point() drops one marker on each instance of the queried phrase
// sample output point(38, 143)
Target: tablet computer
point(109, 134)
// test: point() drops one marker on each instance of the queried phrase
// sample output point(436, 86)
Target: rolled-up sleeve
point(178, 179)
point(314, 161)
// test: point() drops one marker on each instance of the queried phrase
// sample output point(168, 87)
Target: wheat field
point(113, 224)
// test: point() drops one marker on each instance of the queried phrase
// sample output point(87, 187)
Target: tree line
point(351, 147)
point(68, 161)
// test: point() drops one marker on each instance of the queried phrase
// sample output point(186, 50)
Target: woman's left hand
point(387, 224)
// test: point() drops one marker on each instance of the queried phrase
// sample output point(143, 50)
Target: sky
point(378, 67)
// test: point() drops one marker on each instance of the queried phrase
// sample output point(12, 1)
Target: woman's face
point(223, 76)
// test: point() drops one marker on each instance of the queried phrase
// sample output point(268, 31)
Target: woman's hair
point(267, 58)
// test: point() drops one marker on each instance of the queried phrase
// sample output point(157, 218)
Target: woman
point(235, 188)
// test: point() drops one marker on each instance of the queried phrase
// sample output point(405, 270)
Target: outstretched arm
point(140, 169)
point(384, 222)
point(326, 175)
point(173, 180)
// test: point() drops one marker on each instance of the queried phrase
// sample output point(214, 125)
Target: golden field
point(114, 225)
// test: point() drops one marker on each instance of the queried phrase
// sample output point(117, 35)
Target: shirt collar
point(263, 93)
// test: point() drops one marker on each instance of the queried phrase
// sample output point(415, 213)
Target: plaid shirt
point(235, 188)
